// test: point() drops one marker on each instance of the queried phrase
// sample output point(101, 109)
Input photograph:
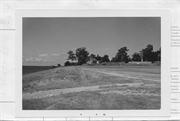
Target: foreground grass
point(93, 101)
point(140, 88)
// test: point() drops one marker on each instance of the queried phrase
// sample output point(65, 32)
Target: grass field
point(93, 88)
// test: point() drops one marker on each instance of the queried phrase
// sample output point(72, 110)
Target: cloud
point(38, 59)
point(43, 55)
point(54, 54)
point(33, 59)
point(48, 60)
point(45, 59)
point(106, 48)
point(73, 48)
point(29, 59)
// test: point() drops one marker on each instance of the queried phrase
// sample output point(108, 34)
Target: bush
point(67, 63)
point(58, 65)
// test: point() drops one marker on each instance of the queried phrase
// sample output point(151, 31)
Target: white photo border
point(165, 61)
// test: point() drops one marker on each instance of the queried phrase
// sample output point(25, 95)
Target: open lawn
point(93, 88)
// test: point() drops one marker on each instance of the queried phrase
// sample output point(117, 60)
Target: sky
point(46, 41)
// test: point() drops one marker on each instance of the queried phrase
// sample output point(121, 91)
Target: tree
point(136, 57)
point(154, 56)
point(67, 63)
point(53, 66)
point(71, 56)
point(129, 59)
point(58, 65)
point(82, 55)
point(92, 56)
point(121, 55)
point(159, 54)
point(105, 58)
point(147, 53)
point(114, 59)
point(98, 58)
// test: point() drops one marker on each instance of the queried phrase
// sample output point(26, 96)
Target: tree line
point(82, 56)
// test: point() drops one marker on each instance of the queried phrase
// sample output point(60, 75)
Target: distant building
point(92, 61)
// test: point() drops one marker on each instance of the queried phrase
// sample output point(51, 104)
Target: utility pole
point(142, 54)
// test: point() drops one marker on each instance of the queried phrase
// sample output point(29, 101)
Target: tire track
point(125, 75)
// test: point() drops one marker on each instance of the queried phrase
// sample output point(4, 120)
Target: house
point(92, 61)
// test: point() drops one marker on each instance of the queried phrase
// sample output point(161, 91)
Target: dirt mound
point(82, 87)
point(61, 78)
point(70, 77)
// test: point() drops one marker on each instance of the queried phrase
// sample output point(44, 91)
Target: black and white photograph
point(89, 60)
point(91, 63)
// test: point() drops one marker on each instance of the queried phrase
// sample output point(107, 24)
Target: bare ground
point(82, 88)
